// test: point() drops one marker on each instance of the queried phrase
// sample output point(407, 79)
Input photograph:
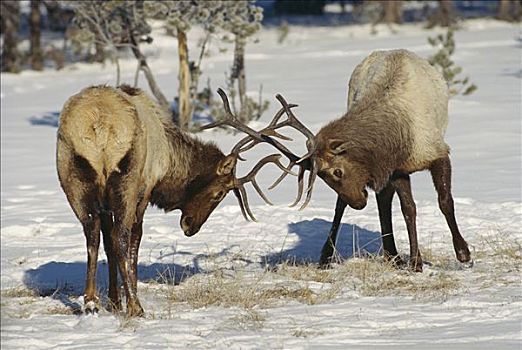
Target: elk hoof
point(91, 308)
point(326, 260)
point(463, 255)
point(468, 264)
point(325, 265)
point(416, 264)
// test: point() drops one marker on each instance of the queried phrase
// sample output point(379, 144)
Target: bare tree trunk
point(116, 61)
point(444, 16)
point(136, 76)
point(392, 11)
point(239, 74)
point(184, 108)
point(10, 12)
point(195, 73)
point(509, 10)
point(156, 91)
point(36, 47)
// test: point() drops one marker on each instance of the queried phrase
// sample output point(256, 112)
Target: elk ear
point(226, 165)
point(337, 146)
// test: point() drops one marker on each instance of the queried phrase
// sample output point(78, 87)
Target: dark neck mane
point(193, 165)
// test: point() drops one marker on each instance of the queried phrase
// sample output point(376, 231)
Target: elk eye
point(338, 173)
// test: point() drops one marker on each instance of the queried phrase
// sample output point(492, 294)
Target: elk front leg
point(384, 204)
point(329, 245)
point(112, 261)
point(441, 174)
point(403, 186)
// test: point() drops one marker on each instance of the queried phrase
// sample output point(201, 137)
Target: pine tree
point(242, 19)
point(443, 62)
point(180, 17)
point(115, 25)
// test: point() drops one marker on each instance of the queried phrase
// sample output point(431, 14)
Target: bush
point(443, 62)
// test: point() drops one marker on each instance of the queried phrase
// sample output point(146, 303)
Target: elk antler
point(306, 162)
point(267, 135)
point(239, 189)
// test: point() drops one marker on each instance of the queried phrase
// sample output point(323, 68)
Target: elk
point(395, 124)
point(117, 151)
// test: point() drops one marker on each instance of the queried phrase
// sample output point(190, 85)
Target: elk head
point(211, 191)
point(343, 174)
point(328, 159)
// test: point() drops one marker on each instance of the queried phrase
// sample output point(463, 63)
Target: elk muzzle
point(186, 225)
point(356, 200)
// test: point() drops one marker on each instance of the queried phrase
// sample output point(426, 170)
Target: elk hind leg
point(78, 180)
point(441, 174)
point(112, 260)
point(122, 191)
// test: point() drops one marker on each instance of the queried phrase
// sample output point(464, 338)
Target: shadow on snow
point(48, 119)
point(64, 281)
point(351, 240)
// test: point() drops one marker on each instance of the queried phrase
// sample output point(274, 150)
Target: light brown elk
point(117, 151)
point(395, 124)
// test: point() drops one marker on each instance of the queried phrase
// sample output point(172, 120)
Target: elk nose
point(186, 222)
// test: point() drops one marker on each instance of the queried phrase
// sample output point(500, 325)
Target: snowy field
point(234, 285)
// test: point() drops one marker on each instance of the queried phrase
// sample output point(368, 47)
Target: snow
point(43, 248)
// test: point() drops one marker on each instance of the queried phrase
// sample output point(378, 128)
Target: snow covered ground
point(231, 285)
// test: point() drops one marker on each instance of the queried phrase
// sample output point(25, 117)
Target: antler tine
point(307, 162)
point(226, 104)
point(254, 136)
point(231, 120)
point(267, 132)
point(241, 204)
point(244, 196)
point(282, 176)
point(311, 182)
point(251, 177)
point(300, 187)
point(294, 122)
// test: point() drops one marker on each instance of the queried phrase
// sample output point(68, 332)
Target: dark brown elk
point(117, 151)
point(395, 124)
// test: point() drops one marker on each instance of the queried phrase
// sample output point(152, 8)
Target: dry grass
point(248, 320)
point(435, 287)
point(308, 284)
point(372, 276)
point(62, 310)
point(18, 292)
point(238, 289)
point(305, 333)
point(502, 249)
